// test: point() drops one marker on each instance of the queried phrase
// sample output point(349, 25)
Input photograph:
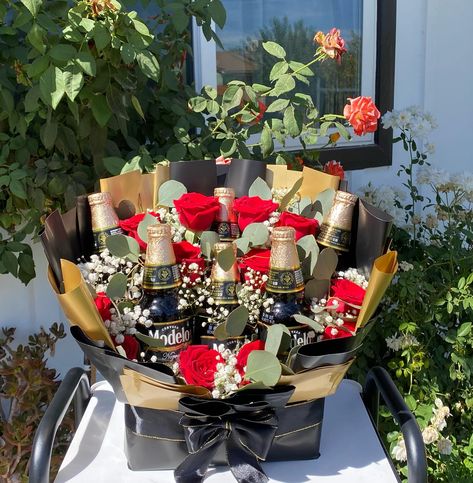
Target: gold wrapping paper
point(145, 392)
point(316, 383)
point(383, 271)
point(78, 304)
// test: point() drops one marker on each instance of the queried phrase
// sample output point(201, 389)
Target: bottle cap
point(159, 230)
point(224, 191)
point(99, 198)
point(284, 233)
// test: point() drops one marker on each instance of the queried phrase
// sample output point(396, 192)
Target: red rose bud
point(103, 304)
point(196, 211)
point(252, 209)
point(244, 352)
point(198, 364)
point(130, 226)
point(347, 291)
point(257, 259)
point(131, 347)
point(303, 226)
point(335, 169)
point(362, 114)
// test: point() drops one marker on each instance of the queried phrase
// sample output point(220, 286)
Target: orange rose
point(331, 44)
point(362, 114)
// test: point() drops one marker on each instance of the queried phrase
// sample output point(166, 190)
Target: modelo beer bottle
point(285, 286)
point(104, 219)
point(226, 223)
point(224, 296)
point(161, 281)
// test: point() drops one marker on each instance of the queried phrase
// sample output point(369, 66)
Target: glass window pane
point(293, 25)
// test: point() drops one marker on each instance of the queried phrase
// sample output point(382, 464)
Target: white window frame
point(205, 69)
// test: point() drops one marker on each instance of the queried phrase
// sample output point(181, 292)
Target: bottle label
point(175, 336)
point(224, 292)
point(285, 281)
point(227, 230)
point(161, 277)
point(100, 236)
point(334, 237)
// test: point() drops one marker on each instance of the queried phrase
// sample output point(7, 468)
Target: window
point(368, 27)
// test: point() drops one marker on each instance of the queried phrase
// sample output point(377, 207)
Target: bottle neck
point(285, 275)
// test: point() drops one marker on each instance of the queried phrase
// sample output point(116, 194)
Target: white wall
point(433, 70)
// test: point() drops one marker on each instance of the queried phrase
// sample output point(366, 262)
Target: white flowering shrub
point(425, 335)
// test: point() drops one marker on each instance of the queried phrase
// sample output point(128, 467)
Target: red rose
point(252, 209)
point(198, 364)
point(185, 250)
point(103, 304)
point(303, 226)
point(130, 226)
point(347, 291)
point(260, 113)
point(331, 44)
point(335, 169)
point(196, 211)
point(338, 333)
point(257, 259)
point(244, 352)
point(131, 347)
point(362, 114)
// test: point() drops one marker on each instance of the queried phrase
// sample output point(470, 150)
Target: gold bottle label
point(224, 292)
point(285, 280)
point(158, 277)
point(334, 237)
point(175, 336)
point(101, 235)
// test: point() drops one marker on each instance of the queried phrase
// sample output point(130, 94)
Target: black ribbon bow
point(246, 423)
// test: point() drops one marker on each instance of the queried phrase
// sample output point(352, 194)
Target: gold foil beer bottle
point(223, 299)
point(161, 281)
point(285, 286)
point(335, 231)
point(226, 224)
point(104, 219)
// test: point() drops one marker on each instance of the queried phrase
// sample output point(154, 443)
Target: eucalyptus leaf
point(304, 204)
point(311, 210)
point(286, 370)
point(220, 333)
point(326, 198)
point(290, 194)
point(207, 241)
point(311, 249)
point(326, 264)
point(123, 246)
point(243, 245)
point(170, 191)
point(257, 233)
point(260, 188)
point(302, 319)
point(116, 287)
point(236, 321)
point(149, 341)
point(292, 353)
point(317, 289)
point(262, 366)
point(142, 230)
point(226, 258)
point(274, 336)
point(253, 385)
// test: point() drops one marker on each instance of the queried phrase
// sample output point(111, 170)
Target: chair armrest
point(74, 388)
point(378, 382)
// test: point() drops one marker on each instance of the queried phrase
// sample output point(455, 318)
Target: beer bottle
point(161, 281)
point(285, 286)
point(104, 219)
point(224, 299)
point(226, 224)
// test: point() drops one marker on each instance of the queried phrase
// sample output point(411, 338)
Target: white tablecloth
point(350, 448)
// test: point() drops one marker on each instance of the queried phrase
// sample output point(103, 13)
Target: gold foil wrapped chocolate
point(104, 219)
point(335, 231)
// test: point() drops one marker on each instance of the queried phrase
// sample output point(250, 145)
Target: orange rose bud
point(334, 137)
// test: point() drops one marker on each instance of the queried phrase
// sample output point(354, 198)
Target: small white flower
point(444, 446)
point(430, 435)
point(399, 451)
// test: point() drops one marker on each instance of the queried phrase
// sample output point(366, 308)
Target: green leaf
point(198, 104)
point(33, 6)
point(169, 191)
point(36, 38)
point(260, 88)
point(292, 122)
point(228, 147)
point(52, 86)
point(226, 258)
point(128, 53)
point(142, 230)
point(290, 194)
point(100, 109)
point(62, 52)
point(274, 49)
point(326, 264)
point(86, 61)
point(137, 106)
point(218, 13)
point(211, 92)
point(38, 66)
point(31, 99)
point(302, 68)
point(149, 341)
point(116, 287)
point(17, 187)
point(73, 81)
point(284, 84)
point(101, 36)
point(123, 246)
point(267, 144)
point(262, 366)
point(207, 241)
point(220, 332)
point(232, 97)
point(311, 249)
point(464, 329)
point(10, 262)
point(274, 337)
point(176, 152)
point(148, 65)
point(236, 321)
point(260, 188)
point(87, 24)
point(180, 20)
point(278, 105)
point(279, 68)
point(114, 164)
point(48, 134)
point(302, 319)
point(243, 245)
point(257, 233)
point(325, 198)
point(140, 27)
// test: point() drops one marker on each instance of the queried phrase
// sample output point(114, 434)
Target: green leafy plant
point(27, 386)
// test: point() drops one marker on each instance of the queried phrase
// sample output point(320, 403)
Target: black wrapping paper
point(242, 173)
point(198, 176)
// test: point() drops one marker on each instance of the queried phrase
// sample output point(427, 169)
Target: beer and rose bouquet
point(223, 302)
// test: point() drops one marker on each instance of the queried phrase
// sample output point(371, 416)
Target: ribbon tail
point(194, 467)
point(243, 463)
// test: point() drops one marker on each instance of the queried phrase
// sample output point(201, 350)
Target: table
point(350, 447)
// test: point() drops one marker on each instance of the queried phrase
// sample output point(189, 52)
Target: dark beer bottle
point(161, 281)
point(226, 223)
point(285, 286)
point(104, 219)
point(223, 299)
